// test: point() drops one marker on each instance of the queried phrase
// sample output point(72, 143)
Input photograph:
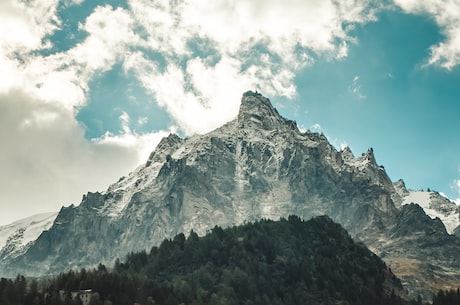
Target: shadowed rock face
point(256, 166)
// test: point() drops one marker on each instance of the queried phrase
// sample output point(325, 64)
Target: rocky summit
point(260, 165)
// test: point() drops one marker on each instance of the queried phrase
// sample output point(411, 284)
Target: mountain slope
point(257, 166)
point(17, 237)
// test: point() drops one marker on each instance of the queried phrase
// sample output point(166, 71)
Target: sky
point(89, 87)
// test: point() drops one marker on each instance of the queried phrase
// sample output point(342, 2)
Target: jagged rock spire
point(370, 156)
point(165, 147)
point(347, 154)
point(256, 110)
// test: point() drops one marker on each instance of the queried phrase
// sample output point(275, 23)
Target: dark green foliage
point(449, 297)
point(13, 291)
point(267, 262)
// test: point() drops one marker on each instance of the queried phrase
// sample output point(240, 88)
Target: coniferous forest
point(268, 262)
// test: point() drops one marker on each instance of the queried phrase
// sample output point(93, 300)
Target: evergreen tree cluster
point(448, 297)
point(267, 262)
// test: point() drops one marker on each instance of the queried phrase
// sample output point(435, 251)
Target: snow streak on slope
point(15, 236)
point(120, 193)
point(123, 190)
point(436, 205)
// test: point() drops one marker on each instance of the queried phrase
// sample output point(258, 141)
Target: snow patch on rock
point(15, 237)
point(436, 205)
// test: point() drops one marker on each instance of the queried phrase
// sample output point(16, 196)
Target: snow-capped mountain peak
point(436, 205)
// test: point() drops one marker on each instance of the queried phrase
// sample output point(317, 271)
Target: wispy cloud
point(457, 188)
point(316, 127)
point(355, 88)
point(142, 121)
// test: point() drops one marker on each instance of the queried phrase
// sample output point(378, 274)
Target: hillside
point(266, 262)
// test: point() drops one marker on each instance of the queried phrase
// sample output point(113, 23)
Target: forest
point(289, 261)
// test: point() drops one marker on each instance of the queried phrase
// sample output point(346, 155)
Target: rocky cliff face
point(257, 166)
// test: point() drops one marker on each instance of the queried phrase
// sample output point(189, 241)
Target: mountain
point(259, 165)
point(434, 204)
point(18, 236)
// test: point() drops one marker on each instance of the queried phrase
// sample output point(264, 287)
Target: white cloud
point(343, 145)
point(251, 45)
point(26, 23)
point(316, 127)
point(314, 24)
point(44, 150)
point(124, 120)
point(455, 186)
point(46, 161)
point(140, 144)
point(142, 121)
point(77, 2)
point(446, 13)
point(209, 100)
point(311, 23)
point(63, 77)
point(111, 32)
point(457, 189)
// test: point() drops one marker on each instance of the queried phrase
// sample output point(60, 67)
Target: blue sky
point(88, 88)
